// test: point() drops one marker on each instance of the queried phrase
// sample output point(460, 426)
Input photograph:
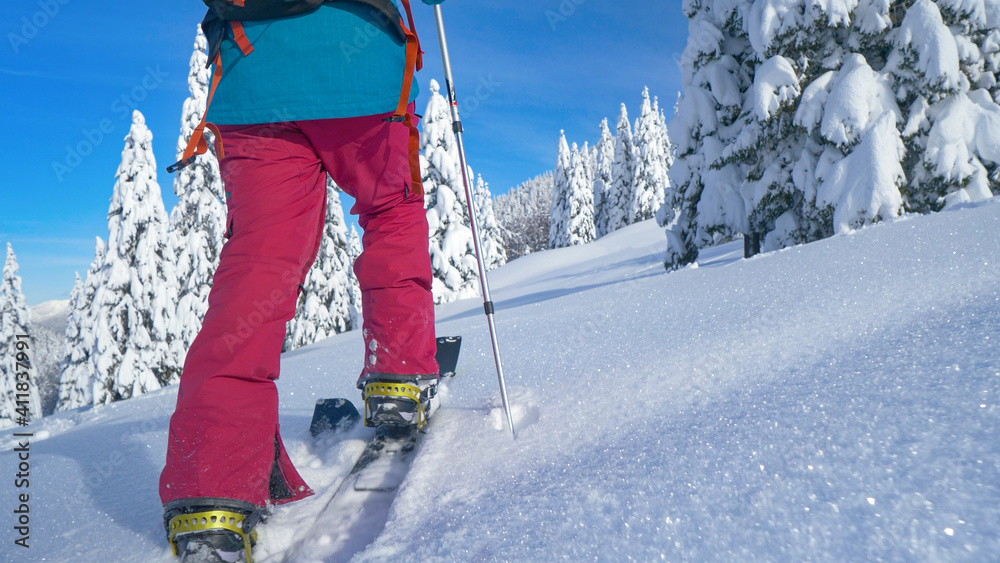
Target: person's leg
point(367, 157)
point(224, 440)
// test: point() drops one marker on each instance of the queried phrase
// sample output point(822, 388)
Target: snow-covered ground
point(831, 402)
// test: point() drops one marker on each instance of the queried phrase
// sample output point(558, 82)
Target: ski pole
point(483, 282)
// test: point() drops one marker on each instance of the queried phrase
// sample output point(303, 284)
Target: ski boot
point(220, 531)
point(399, 400)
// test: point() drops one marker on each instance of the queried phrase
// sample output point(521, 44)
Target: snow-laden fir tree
point(558, 228)
point(814, 99)
point(945, 61)
point(667, 150)
point(490, 235)
point(137, 292)
point(453, 258)
point(354, 287)
point(198, 221)
point(78, 377)
point(618, 199)
point(581, 197)
point(603, 166)
point(574, 213)
point(324, 305)
point(650, 178)
point(70, 395)
point(856, 178)
point(667, 212)
point(524, 214)
point(589, 157)
point(715, 71)
point(19, 400)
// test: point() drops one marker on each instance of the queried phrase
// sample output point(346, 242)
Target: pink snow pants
point(224, 441)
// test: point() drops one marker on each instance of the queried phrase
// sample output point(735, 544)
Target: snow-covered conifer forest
point(799, 120)
point(524, 214)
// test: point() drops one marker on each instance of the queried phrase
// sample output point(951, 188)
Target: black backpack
point(222, 11)
point(238, 10)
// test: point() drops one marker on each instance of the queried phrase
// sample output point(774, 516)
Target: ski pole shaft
point(483, 281)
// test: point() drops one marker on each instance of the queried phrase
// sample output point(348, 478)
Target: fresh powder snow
point(836, 401)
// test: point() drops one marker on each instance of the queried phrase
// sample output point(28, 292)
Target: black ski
point(358, 509)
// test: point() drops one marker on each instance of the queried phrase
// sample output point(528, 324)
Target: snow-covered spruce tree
point(650, 181)
point(558, 226)
point(770, 146)
point(69, 392)
point(198, 221)
point(490, 235)
point(603, 165)
point(618, 199)
point(324, 307)
point(852, 115)
point(353, 286)
point(581, 198)
point(19, 400)
point(589, 157)
point(715, 70)
point(453, 258)
point(666, 214)
point(815, 100)
point(576, 211)
point(945, 60)
point(667, 149)
point(776, 57)
point(524, 214)
point(77, 377)
point(137, 293)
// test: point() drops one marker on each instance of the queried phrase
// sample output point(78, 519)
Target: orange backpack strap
point(414, 62)
point(197, 144)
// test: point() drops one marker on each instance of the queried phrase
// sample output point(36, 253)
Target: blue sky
point(71, 71)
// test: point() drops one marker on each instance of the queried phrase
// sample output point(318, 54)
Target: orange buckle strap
point(414, 62)
point(415, 178)
point(240, 36)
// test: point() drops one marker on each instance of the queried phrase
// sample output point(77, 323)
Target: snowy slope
point(835, 401)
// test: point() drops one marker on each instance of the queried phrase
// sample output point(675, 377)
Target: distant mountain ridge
point(51, 314)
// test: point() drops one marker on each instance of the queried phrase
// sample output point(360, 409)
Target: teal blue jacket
point(342, 60)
